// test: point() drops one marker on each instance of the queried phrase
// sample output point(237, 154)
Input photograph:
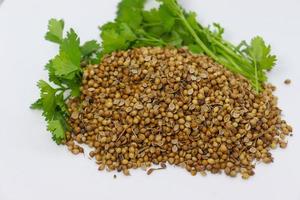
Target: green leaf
point(194, 48)
point(60, 102)
point(89, 47)
point(173, 39)
point(184, 34)
point(219, 30)
point(37, 105)
point(57, 129)
point(260, 53)
point(47, 99)
point(116, 36)
point(172, 6)
point(158, 21)
point(51, 73)
point(74, 86)
point(130, 12)
point(55, 31)
point(70, 47)
point(67, 64)
point(63, 67)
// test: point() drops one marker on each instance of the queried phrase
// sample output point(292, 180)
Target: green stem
point(197, 39)
point(150, 39)
point(237, 63)
point(151, 24)
point(256, 77)
point(224, 47)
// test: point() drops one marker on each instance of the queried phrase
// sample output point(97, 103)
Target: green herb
point(65, 73)
point(167, 25)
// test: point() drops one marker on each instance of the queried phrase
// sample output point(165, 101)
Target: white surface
point(32, 167)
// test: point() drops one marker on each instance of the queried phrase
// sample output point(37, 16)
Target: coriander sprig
point(65, 73)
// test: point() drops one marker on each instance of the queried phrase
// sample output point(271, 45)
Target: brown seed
point(154, 105)
point(150, 171)
point(174, 148)
point(211, 161)
point(181, 121)
point(283, 145)
point(126, 172)
point(287, 81)
point(223, 148)
point(75, 151)
point(171, 106)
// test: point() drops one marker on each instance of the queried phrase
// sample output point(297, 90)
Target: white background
point(32, 167)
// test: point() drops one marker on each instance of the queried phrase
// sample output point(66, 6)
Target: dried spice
point(227, 129)
point(287, 81)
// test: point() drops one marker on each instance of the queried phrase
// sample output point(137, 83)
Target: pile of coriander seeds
point(156, 106)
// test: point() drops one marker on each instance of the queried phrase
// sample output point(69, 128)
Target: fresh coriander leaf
point(51, 73)
point(74, 86)
point(260, 53)
point(151, 17)
point(173, 39)
point(153, 23)
point(194, 48)
point(166, 17)
point(261, 59)
point(219, 30)
point(63, 67)
point(47, 99)
point(116, 36)
point(67, 63)
point(158, 21)
point(172, 6)
point(70, 47)
point(96, 58)
point(57, 130)
point(89, 47)
point(191, 18)
point(37, 105)
point(184, 34)
point(60, 102)
point(130, 12)
point(55, 31)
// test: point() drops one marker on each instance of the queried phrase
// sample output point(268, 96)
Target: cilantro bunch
point(65, 73)
point(167, 25)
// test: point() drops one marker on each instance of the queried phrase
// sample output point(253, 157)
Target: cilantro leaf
point(130, 12)
point(172, 6)
point(74, 85)
point(65, 73)
point(173, 39)
point(60, 103)
point(63, 67)
point(219, 30)
point(89, 47)
point(260, 53)
point(47, 99)
point(262, 60)
point(70, 47)
point(67, 64)
point(55, 31)
point(158, 21)
point(57, 130)
point(37, 105)
point(116, 36)
point(194, 48)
